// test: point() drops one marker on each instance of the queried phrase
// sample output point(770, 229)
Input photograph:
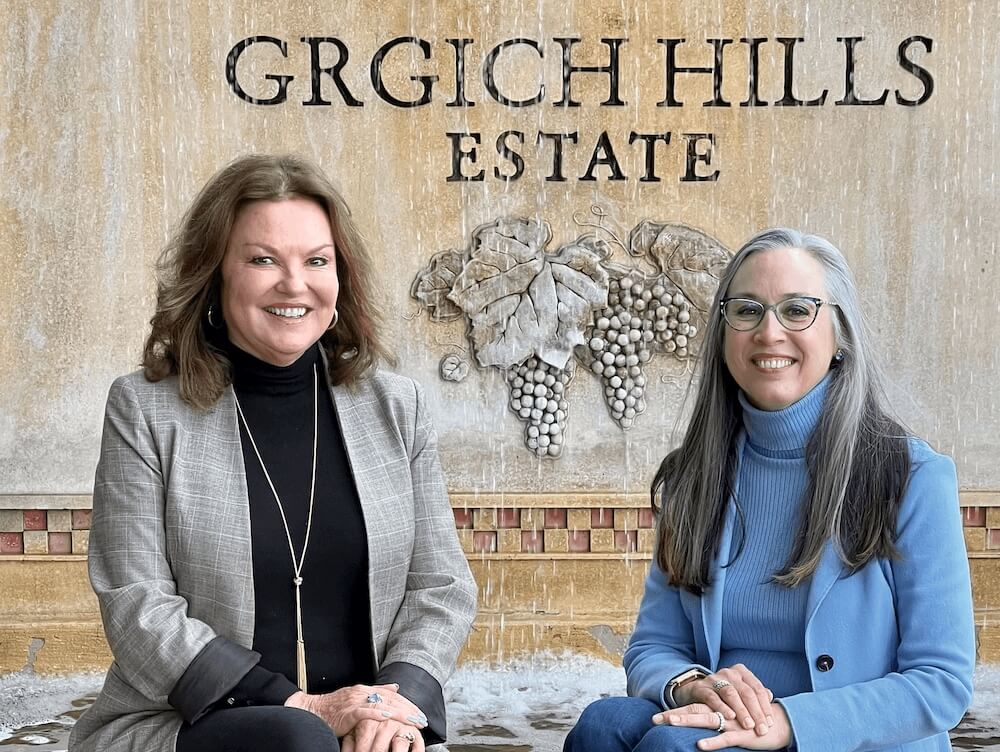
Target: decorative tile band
point(44, 531)
point(481, 530)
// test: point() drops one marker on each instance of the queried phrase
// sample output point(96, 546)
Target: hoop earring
point(208, 317)
point(336, 318)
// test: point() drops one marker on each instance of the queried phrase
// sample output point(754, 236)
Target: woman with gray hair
point(810, 589)
point(272, 546)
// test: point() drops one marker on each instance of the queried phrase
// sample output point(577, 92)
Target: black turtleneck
point(278, 404)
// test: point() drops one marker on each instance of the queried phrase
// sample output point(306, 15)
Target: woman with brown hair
point(272, 546)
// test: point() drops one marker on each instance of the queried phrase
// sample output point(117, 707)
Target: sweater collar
point(251, 374)
point(788, 429)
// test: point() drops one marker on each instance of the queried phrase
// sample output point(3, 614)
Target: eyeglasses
point(795, 314)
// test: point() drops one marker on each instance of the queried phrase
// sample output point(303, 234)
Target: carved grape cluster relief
point(532, 313)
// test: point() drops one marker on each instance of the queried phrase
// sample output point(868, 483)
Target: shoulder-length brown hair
point(189, 278)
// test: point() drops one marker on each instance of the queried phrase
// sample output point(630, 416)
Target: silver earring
point(838, 357)
point(336, 318)
point(208, 317)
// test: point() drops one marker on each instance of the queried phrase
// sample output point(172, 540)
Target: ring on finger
point(722, 722)
point(408, 735)
point(719, 684)
point(374, 698)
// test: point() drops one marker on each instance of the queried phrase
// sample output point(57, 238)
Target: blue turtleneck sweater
point(763, 623)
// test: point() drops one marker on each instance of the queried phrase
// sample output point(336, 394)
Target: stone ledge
point(470, 499)
point(45, 501)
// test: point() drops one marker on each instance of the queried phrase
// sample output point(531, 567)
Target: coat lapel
point(711, 600)
point(828, 571)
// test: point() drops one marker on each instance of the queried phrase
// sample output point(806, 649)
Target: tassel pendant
point(300, 645)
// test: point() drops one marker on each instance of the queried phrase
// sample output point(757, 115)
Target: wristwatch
point(680, 680)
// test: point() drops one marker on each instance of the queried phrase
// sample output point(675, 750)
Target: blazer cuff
point(217, 667)
point(423, 690)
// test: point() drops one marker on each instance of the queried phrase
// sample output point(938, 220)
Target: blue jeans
point(624, 724)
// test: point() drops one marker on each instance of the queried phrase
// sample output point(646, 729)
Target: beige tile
point(36, 542)
point(975, 538)
point(60, 520)
point(532, 518)
point(602, 541)
point(11, 521)
point(647, 539)
point(509, 540)
point(81, 541)
point(556, 541)
point(465, 539)
point(578, 519)
point(484, 518)
point(626, 519)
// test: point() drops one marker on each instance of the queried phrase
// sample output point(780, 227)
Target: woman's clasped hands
point(734, 703)
point(368, 718)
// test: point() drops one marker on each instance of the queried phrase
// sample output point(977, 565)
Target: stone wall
point(455, 127)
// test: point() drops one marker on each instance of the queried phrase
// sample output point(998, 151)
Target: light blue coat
point(900, 633)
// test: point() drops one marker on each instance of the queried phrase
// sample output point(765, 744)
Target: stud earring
point(838, 357)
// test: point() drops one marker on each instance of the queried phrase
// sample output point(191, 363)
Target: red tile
point(532, 542)
point(463, 518)
point(971, 516)
point(60, 543)
point(508, 518)
point(579, 541)
point(600, 518)
point(645, 517)
point(626, 541)
point(993, 538)
point(81, 519)
point(11, 543)
point(555, 518)
point(484, 541)
point(35, 519)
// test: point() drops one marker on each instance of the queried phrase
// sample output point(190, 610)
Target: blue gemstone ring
point(374, 698)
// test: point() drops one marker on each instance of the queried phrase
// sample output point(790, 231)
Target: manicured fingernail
point(762, 729)
point(417, 720)
point(748, 722)
point(658, 718)
point(386, 714)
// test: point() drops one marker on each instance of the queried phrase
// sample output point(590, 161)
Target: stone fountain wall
point(511, 165)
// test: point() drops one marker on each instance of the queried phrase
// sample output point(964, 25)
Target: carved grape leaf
point(434, 282)
point(691, 259)
point(522, 301)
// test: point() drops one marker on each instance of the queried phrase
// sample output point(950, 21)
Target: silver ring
point(408, 736)
point(721, 684)
point(374, 698)
point(722, 722)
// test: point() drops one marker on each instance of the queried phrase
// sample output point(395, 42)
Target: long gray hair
point(857, 456)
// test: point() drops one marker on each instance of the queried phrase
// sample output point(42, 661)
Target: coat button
point(824, 662)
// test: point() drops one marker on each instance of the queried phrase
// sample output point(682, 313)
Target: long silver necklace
point(300, 645)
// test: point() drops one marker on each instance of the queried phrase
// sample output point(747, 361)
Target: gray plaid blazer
point(170, 550)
